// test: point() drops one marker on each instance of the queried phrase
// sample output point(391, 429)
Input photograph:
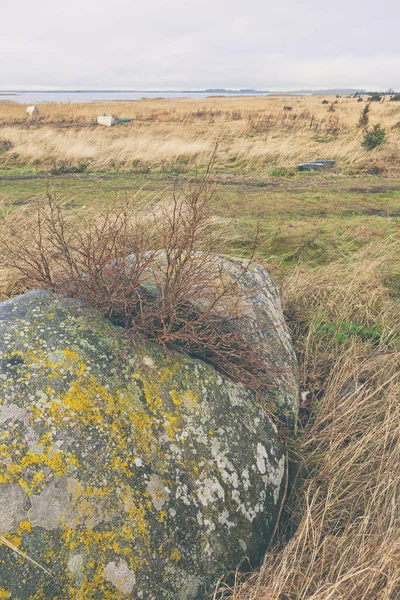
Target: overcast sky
point(178, 44)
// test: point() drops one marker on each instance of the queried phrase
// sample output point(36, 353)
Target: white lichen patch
point(261, 458)
point(210, 490)
point(12, 499)
point(75, 566)
point(11, 412)
point(275, 476)
point(51, 508)
point(236, 394)
point(56, 357)
point(243, 545)
point(121, 576)
point(149, 362)
point(157, 491)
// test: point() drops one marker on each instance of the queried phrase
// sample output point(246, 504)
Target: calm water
point(31, 97)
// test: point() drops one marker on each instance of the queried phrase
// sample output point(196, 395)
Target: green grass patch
point(346, 332)
point(308, 221)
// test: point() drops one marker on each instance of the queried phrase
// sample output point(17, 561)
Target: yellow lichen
point(176, 555)
point(24, 526)
point(15, 540)
point(128, 422)
point(176, 398)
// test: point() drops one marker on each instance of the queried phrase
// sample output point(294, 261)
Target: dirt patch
point(379, 189)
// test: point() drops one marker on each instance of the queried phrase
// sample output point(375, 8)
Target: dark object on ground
point(328, 164)
point(317, 165)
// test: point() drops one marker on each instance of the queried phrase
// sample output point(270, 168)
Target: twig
point(283, 498)
point(14, 548)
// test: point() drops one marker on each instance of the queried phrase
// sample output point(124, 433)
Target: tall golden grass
point(346, 544)
point(253, 133)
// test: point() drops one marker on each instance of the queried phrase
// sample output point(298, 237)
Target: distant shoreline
point(84, 96)
point(222, 91)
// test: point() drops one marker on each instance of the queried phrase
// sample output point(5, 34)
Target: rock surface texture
point(126, 471)
point(263, 327)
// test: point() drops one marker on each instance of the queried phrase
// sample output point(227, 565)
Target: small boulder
point(32, 111)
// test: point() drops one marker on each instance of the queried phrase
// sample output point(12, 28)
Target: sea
point(35, 97)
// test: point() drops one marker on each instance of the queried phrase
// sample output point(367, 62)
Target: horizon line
point(193, 91)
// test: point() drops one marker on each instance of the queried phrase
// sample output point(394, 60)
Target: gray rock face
point(263, 327)
point(126, 471)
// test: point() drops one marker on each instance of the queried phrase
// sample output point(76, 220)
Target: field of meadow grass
point(266, 135)
point(331, 240)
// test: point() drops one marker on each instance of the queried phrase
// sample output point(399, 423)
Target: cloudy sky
point(187, 44)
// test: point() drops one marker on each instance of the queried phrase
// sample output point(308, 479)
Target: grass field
point(331, 239)
point(255, 135)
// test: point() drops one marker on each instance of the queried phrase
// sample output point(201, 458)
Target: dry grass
point(252, 132)
point(340, 537)
point(346, 544)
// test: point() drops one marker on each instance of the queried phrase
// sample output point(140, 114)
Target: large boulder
point(127, 471)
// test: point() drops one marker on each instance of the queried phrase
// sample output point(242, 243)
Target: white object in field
point(107, 120)
point(32, 110)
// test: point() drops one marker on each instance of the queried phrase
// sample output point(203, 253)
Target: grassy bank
point(310, 219)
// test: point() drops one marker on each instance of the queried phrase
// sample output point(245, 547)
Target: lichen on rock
point(127, 471)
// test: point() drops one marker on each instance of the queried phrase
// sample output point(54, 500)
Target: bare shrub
point(154, 270)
